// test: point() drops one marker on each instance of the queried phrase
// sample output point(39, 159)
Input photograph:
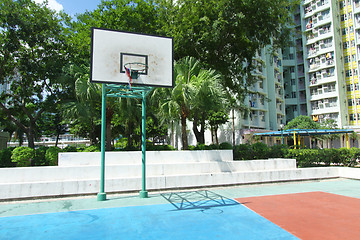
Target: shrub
point(225, 145)
point(121, 143)
point(51, 155)
point(215, 146)
point(40, 159)
point(260, 150)
point(354, 157)
point(5, 158)
point(278, 151)
point(70, 149)
point(243, 152)
point(152, 147)
point(22, 156)
point(92, 148)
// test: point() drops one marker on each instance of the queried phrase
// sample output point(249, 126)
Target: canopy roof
point(304, 132)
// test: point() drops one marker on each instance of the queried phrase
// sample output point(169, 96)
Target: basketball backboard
point(112, 51)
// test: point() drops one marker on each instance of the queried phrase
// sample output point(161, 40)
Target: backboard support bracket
point(113, 90)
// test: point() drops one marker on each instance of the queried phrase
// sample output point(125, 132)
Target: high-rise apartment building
point(321, 71)
point(266, 97)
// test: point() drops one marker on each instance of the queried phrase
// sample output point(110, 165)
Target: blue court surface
point(183, 217)
point(191, 214)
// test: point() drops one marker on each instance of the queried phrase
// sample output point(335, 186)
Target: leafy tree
point(226, 34)
point(207, 95)
point(32, 54)
point(22, 156)
point(52, 124)
point(175, 103)
point(84, 112)
point(216, 119)
point(302, 122)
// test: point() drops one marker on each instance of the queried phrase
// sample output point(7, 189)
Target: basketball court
point(326, 209)
point(130, 65)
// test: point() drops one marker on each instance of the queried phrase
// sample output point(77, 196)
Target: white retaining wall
point(79, 173)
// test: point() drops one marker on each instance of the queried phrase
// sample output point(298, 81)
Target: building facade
point(321, 77)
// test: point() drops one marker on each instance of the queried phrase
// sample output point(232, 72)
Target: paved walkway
point(211, 213)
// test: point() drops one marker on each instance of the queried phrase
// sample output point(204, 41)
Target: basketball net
point(128, 73)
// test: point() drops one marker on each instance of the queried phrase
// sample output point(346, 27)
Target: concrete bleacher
point(79, 173)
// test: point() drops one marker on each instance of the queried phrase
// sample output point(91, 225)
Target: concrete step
point(124, 158)
point(64, 173)
point(92, 186)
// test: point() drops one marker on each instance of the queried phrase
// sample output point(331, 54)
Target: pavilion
point(298, 133)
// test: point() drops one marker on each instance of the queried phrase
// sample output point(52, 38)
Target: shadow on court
point(197, 200)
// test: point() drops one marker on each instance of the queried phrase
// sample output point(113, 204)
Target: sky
point(72, 7)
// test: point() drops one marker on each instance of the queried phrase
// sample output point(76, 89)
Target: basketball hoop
point(134, 69)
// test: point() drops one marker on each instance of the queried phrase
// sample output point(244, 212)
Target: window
point(352, 43)
point(261, 84)
point(293, 94)
point(351, 102)
point(292, 69)
point(347, 59)
point(354, 57)
point(343, 17)
point(351, 116)
point(348, 73)
point(356, 86)
point(346, 45)
point(342, 4)
point(349, 87)
point(344, 31)
point(351, 29)
point(292, 82)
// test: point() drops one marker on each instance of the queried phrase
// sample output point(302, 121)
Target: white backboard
point(111, 50)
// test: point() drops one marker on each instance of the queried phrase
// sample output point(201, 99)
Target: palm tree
point(207, 95)
point(175, 103)
point(86, 109)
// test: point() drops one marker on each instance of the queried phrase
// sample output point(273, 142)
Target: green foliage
point(92, 148)
point(259, 150)
point(324, 157)
point(121, 144)
point(243, 152)
point(51, 155)
point(5, 158)
point(302, 122)
point(225, 145)
point(277, 151)
point(70, 149)
point(22, 156)
point(40, 159)
point(152, 147)
point(225, 34)
point(33, 53)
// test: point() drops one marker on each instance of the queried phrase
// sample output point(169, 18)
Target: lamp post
point(282, 136)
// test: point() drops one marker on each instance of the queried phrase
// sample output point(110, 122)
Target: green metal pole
point(143, 192)
point(101, 196)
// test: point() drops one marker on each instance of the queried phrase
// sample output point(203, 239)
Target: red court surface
point(310, 215)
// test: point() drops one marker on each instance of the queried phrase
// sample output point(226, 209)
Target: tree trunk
point(57, 139)
point(216, 137)
point(31, 138)
point(233, 126)
point(184, 134)
point(212, 134)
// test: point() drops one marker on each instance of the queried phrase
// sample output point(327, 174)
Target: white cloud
point(52, 4)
